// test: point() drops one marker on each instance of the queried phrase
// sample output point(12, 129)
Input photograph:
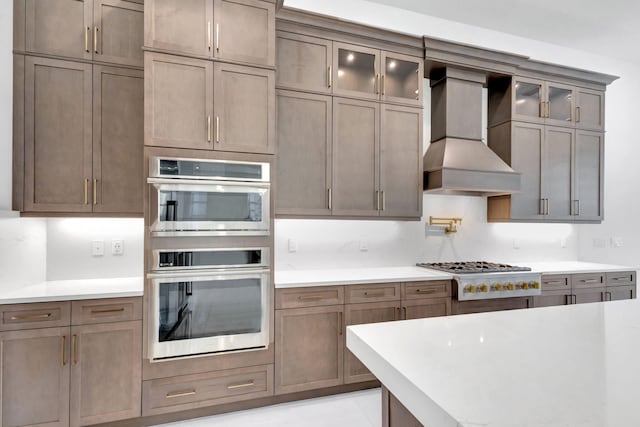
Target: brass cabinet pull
point(541, 109)
point(74, 349)
point(108, 310)
point(31, 316)
point(95, 40)
point(63, 345)
point(382, 84)
point(377, 85)
point(548, 109)
point(577, 114)
point(617, 279)
point(574, 298)
point(576, 207)
point(605, 296)
point(546, 206)
point(590, 281)
point(329, 77)
point(95, 191)
point(208, 128)
point(330, 197)
point(404, 309)
point(541, 207)
point(209, 35)
point(556, 282)
point(374, 294)
point(218, 129)
point(340, 327)
point(425, 291)
point(218, 37)
point(180, 394)
point(397, 314)
point(241, 385)
point(383, 199)
point(310, 297)
point(86, 39)
point(86, 191)
point(377, 196)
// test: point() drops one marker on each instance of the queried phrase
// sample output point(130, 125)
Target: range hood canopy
point(457, 161)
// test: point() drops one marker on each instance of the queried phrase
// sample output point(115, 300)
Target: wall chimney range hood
point(457, 161)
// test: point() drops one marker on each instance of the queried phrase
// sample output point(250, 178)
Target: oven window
point(195, 168)
point(209, 308)
point(210, 206)
point(200, 259)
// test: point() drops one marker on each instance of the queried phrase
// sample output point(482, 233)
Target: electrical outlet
point(364, 246)
point(117, 247)
point(516, 244)
point(293, 245)
point(617, 242)
point(97, 248)
point(563, 242)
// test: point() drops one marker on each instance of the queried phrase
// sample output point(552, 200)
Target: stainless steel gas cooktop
point(468, 267)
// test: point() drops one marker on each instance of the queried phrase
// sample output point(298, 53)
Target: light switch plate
point(293, 245)
point(117, 247)
point(97, 248)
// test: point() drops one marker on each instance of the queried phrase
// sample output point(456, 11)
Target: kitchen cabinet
point(589, 109)
point(303, 63)
point(586, 288)
point(483, 306)
point(562, 173)
point(232, 30)
point(89, 119)
point(101, 30)
point(556, 290)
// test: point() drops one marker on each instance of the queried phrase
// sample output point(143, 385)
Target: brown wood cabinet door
point(184, 26)
point(588, 169)
point(617, 293)
point(356, 141)
point(401, 161)
point(178, 96)
point(589, 109)
point(106, 372)
point(309, 348)
point(57, 135)
point(304, 163)
point(582, 296)
point(245, 31)
point(118, 135)
point(526, 158)
point(556, 172)
point(553, 298)
point(358, 314)
point(35, 377)
point(303, 63)
point(59, 27)
point(244, 109)
point(118, 32)
point(422, 308)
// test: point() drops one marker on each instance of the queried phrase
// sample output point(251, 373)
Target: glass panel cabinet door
point(356, 71)
point(527, 103)
point(401, 79)
point(559, 109)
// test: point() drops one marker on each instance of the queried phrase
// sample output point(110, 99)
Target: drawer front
point(309, 297)
point(35, 315)
point(556, 282)
point(587, 281)
point(372, 293)
point(621, 278)
point(482, 306)
point(200, 390)
point(106, 310)
point(419, 290)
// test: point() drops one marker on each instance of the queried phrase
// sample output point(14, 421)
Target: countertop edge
point(58, 298)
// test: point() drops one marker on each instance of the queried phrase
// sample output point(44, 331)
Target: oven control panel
point(497, 285)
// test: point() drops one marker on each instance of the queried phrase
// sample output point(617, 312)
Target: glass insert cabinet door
point(356, 71)
point(401, 79)
point(560, 104)
point(528, 100)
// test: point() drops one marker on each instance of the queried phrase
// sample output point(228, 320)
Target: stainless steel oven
point(208, 197)
point(196, 308)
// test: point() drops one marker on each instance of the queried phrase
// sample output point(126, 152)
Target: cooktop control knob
point(484, 288)
point(511, 286)
point(471, 289)
point(525, 285)
point(498, 286)
point(535, 285)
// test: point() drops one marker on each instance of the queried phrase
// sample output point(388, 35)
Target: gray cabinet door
point(556, 172)
point(58, 129)
point(400, 161)
point(358, 314)
point(178, 101)
point(106, 372)
point(304, 154)
point(356, 71)
point(59, 27)
point(356, 142)
point(184, 26)
point(35, 378)
point(528, 96)
point(245, 31)
point(526, 158)
point(118, 135)
point(118, 33)
point(588, 199)
point(553, 298)
point(244, 109)
point(428, 307)
point(617, 293)
point(583, 296)
point(589, 111)
point(309, 348)
point(401, 78)
point(303, 63)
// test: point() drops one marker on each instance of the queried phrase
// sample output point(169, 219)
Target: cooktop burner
point(469, 267)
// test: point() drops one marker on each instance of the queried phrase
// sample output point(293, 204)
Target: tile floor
point(357, 409)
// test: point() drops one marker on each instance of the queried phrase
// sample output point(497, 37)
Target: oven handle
point(241, 271)
point(204, 182)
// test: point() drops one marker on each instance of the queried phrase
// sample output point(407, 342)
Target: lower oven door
point(207, 312)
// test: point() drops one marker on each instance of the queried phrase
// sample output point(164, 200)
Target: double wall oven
point(204, 297)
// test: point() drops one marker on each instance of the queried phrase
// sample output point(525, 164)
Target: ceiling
point(606, 27)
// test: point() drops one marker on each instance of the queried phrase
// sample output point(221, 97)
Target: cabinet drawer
point(35, 315)
point(200, 390)
point(556, 282)
point(621, 278)
point(419, 290)
point(106, 310)
point(309, 297)
point(586, 281)
point(371, 293)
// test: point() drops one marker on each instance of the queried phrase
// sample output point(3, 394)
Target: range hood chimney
point(457, 161)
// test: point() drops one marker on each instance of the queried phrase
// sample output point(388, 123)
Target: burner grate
point(467, 267)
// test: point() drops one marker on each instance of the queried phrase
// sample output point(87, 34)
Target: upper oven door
point(207, 169)
point(192, 207)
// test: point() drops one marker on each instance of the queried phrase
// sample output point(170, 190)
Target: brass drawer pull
point(208, 128)
point(95, 191)
point(425, 291)
point(555, 282)
point(209, 35)
point(180, 394)
point(86, 191)
point(218, 129)
point(620, 278)
point(590, 281)
point(240, 385)
point(31, 316)
point(329, 76)
point(86, 40)
point(218, 37)
point(108, 310)
point(95, 40)
point(310, 297)
point(374, 294)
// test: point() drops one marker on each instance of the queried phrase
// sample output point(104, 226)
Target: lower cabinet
point(586, 288)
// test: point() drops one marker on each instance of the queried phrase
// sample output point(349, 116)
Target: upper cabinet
point(303, 62)
point(240, 31)
point(100, 30)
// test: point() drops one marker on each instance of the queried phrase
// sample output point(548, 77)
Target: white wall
point(23, 251)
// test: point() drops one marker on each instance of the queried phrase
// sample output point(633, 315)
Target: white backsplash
point(23, 251)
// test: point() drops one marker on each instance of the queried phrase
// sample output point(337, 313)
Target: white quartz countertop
point(65, 290)
point(545, 367)
point(572, 267)
point(350, 276)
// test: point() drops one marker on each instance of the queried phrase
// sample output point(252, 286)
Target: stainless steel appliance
point(195, 197)
point(209, 300)
point(481, 280)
